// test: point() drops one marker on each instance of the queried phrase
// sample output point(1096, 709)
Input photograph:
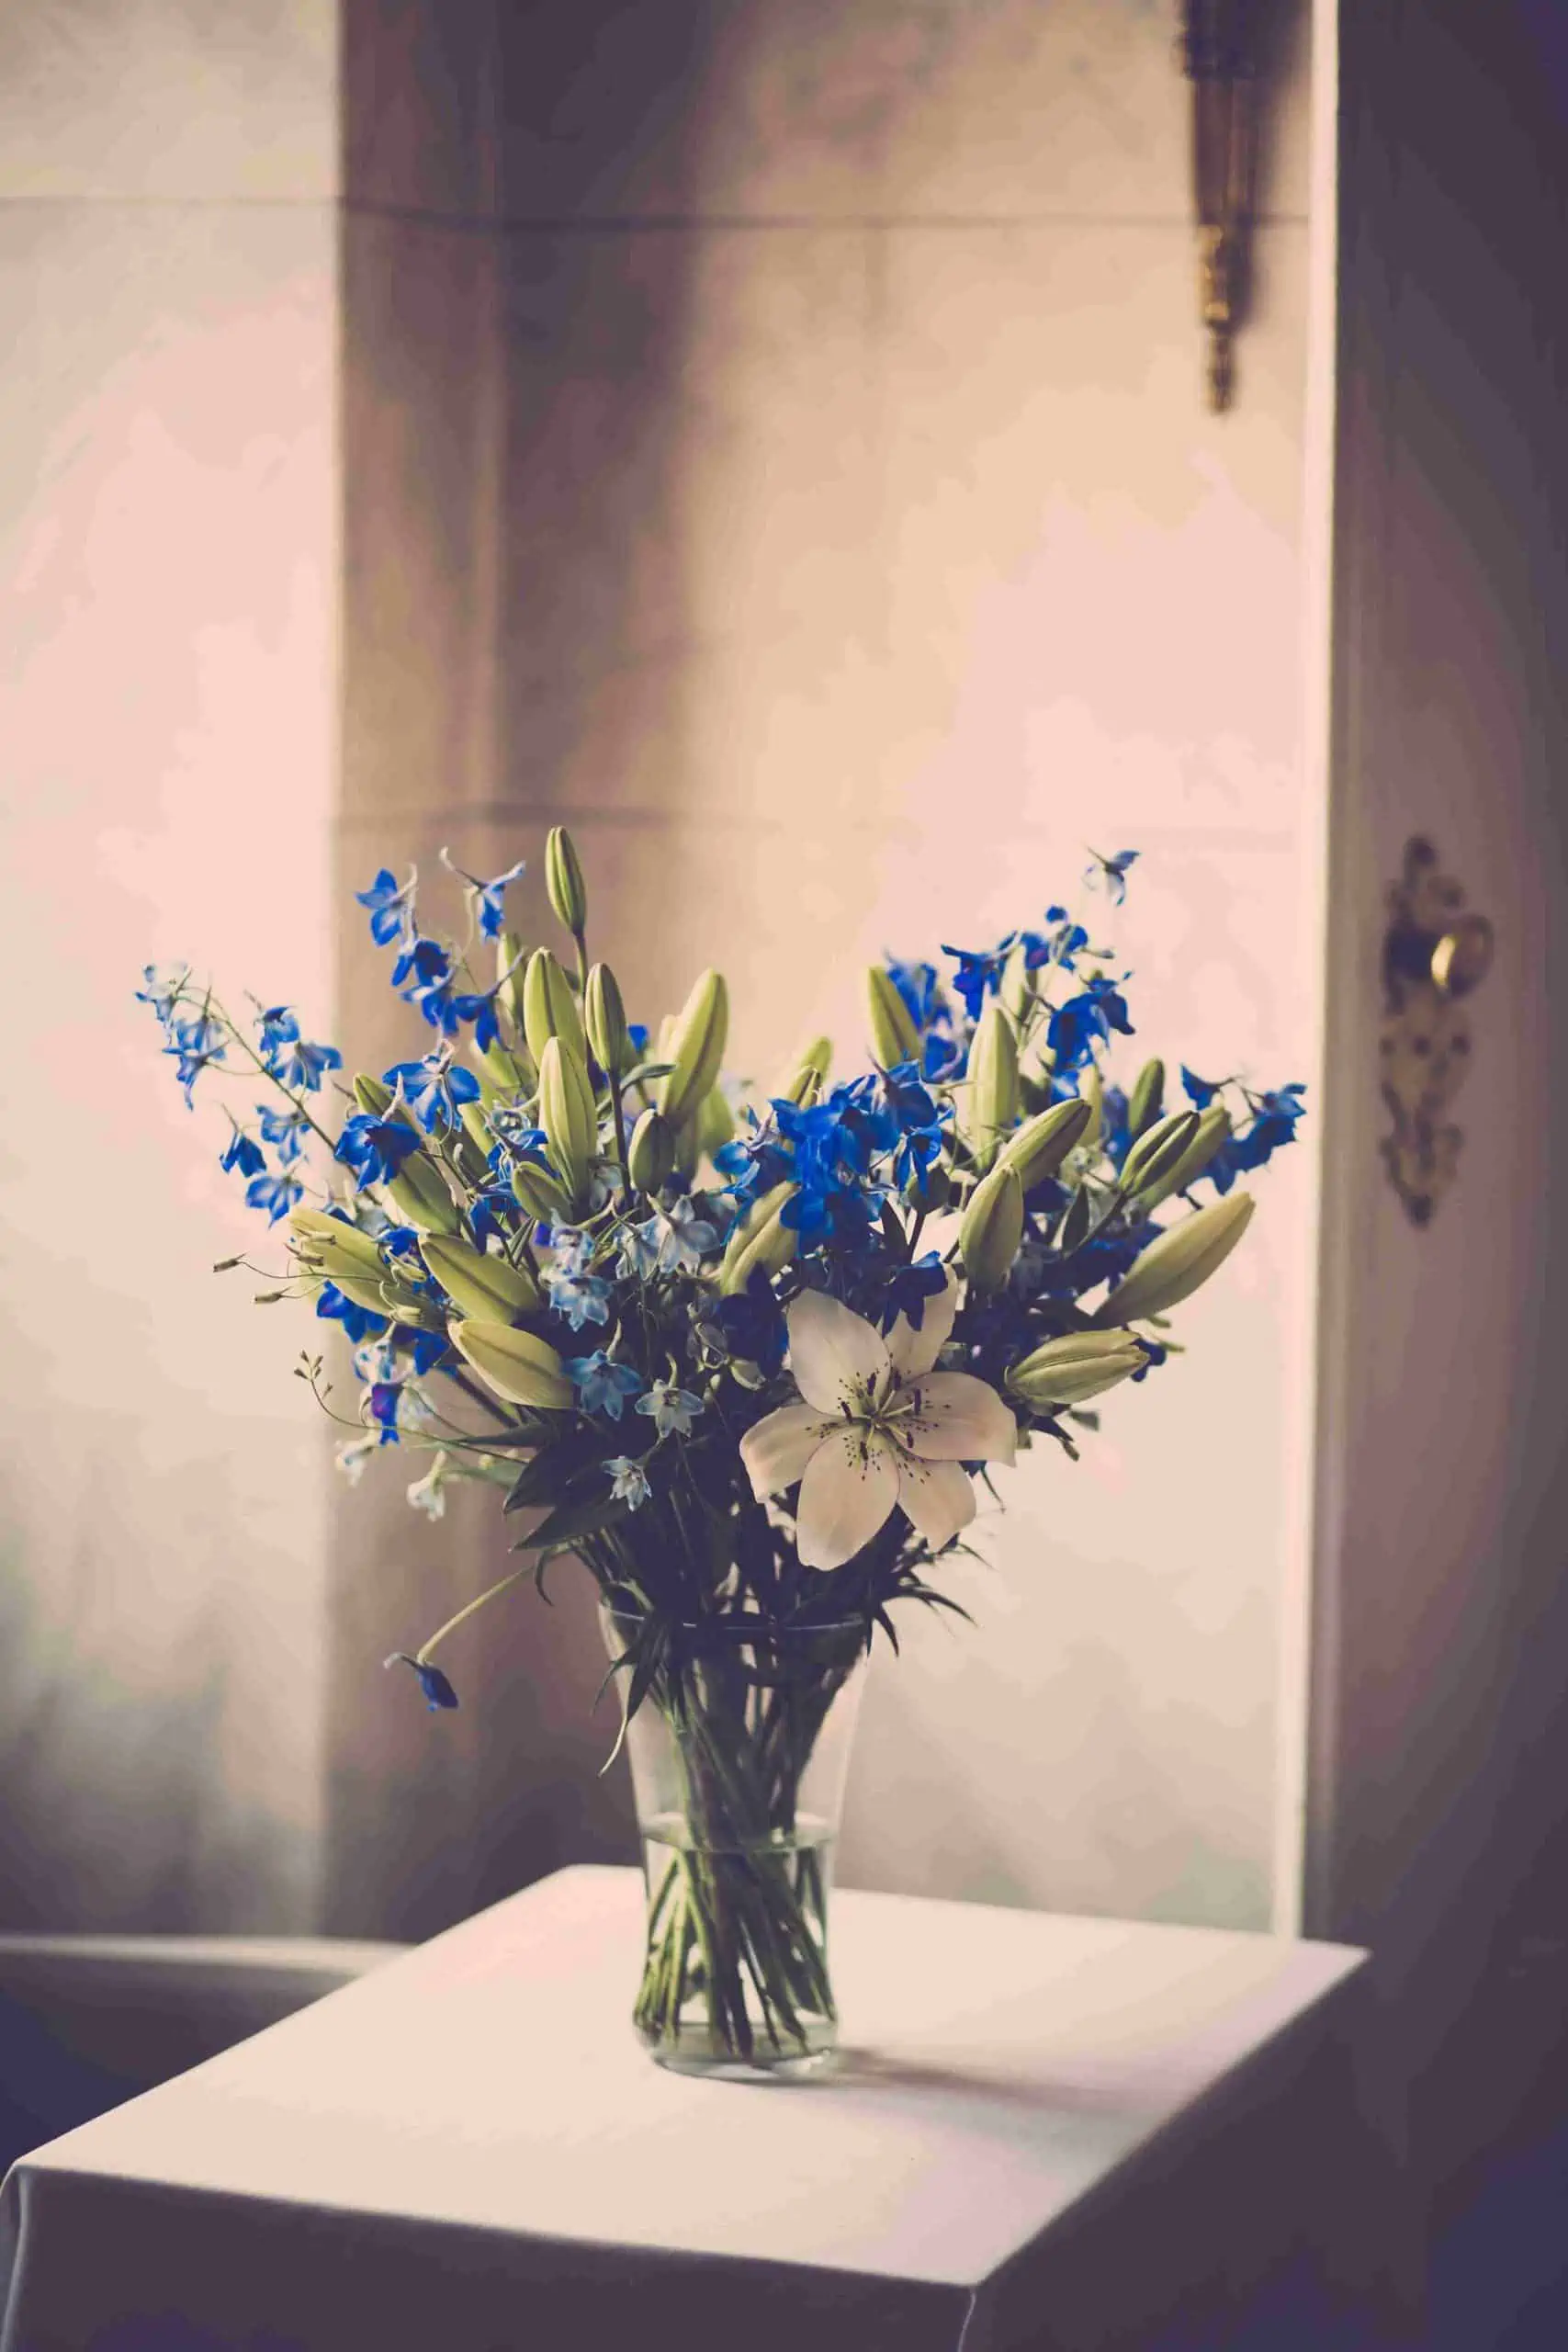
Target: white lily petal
point(776, 1451)
point(915, 1351)
point(837, 1357)
point(958, 1418)
point(937, 1498)
point(849, 1490)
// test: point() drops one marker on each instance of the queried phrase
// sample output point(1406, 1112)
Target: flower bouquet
point(743, 1353)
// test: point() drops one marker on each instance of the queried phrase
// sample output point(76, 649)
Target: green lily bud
point(367, 1294)
point(1019, 990)
point(1213, 1131)
point(522, 1369)
point(1145, 1102)
point(1172, 1268)
point(563, 882)
point(339, 1252)
point(696, 1048)
point(550, 1008)
point(993, 1083)
point(479, 1284)
point(418, 1189)
point(605, 1017)
point(537, 1193)
point(511, 961)
point(504, 1072)
point(760, 1240)
point(1039, 1147)
point(992, 1228)
point(807, 1075)
point(1071, 1370)
point(567, 1113)
point(715, 1124)
point(1159, 1150)
point(894, 1037)
point(471, 1149)
point(650, 1154)
point(1091, 1090)
point(932, 1191)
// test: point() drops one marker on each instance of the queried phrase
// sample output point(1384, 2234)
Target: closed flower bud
point(564, 884)
point(477, 1284)
point(605, 1017)
point(472, 1147)
point(504, 1072)
point(1147, 1098)
point(1038, 1149)
point(326, 1245)
point(537, 1193)
point(522, 1369)
point(696, 1048)
point(714, 1123)
point(511, 962)
point(993, 1083)
point(1018, 989)
point(930, 1189)
point(1213, 1133)
point(373, 1094)
point(1091, 1090)
point(550, 1008)
point(1158, 1150)
point(373, 1295)
point(418, 1189)
point(1070, 1371)
point(807, 1075)
point(760, 1241)
point(894, 1037)
point(1172, 1268)
point(651, 1154)
point(992, 1228)
point(565, 1112)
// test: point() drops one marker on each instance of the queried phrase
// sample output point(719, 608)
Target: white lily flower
point(877, 1428)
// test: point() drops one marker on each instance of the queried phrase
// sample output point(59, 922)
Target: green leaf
point(550, 1477)
point(1073, 1227)
point(646, 1071)
point(579, 1515)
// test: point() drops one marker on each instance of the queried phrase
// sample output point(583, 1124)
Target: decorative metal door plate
point(1434, 955)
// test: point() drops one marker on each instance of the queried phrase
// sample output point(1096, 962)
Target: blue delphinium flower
point(302, 1064)
point(162, 991)
point(908, 1288)
point(424, 1349)
point(1199, 1092)
point(580, 1297)
point(438, 1691)
point(1273, 1125)
point(1110, 873)
point(919, 1119)
point(390, 907)
point(433, 1088)
point(488, 895)
point(670, 1407)
point(284, 1128)
point(276, 1027)
point(384, 1400)
point(600, 1386)
point(375, 1148)
point(481, 1011)
point(917, 984)
point(243, 1152)
point(683, 1237)
point(979, 973)
point(639, 1260)
point(197, 1044)
point(628, 1480)
point(360, 1322)
point(1085, 1020)
point(276, 1194)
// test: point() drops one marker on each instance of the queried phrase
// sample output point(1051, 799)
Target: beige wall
point(776, 445)
point(167, 707)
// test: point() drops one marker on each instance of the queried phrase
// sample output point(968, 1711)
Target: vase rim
point(742, 1628)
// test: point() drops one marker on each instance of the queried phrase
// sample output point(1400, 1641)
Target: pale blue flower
point(628, 1480)
point(670, 1407)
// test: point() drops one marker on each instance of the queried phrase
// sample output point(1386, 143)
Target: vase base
point(693, 2051)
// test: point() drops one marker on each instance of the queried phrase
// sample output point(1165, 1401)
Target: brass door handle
point(1435, 953)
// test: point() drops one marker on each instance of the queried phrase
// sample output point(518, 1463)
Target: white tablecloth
point(1054, 2131)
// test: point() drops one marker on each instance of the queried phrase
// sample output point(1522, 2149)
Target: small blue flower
point(424, 1349)
point(670, 1407)
point(979, 973)
point(197, 1045)
point(424, 963)
point(162, 991)
point(603, 1386)
point(752, 1323)
point(637, 1031)
point(639, 1259)
point(384, 1396)
point(284, 1129)
point(628, 1480)
point(909, 1287)
point(375, 1148)
point(390, 907)
point(438, 1691)
point(243, 1151)
point(277, 1194)
point(360, 1322)
point(1085, 1020)
point(277, 1028)
point(1110, 873)
point(1199, 1092)
point(481, 1011)
point(488, 895)
point(433, 1088)
point(1273, 1125)
point(683, 1236)
point(301, 1064)
point(581, 1298)
point(917, 984)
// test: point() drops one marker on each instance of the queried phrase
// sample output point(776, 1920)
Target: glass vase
point(737, 1755)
